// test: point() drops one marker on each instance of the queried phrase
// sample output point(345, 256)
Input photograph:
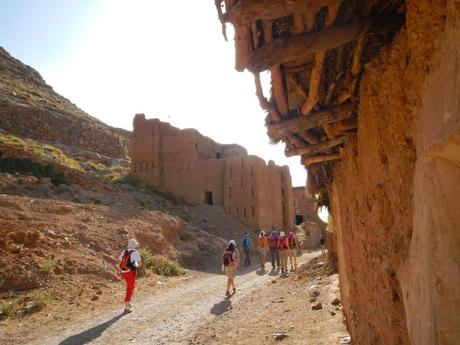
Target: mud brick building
point(198, 170)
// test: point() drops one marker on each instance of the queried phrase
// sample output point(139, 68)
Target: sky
point(166, 59)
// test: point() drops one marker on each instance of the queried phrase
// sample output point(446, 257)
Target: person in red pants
point(129, 262)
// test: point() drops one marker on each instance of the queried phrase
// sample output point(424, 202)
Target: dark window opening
point(218, 155)
point(208, 198)
point(298, 219)
point(252, 171)
point(253, 212)
point(244, 211)
point(230, 192)
point(282, 191)
point(252, 192)
point(241, 181)
point(237, 211)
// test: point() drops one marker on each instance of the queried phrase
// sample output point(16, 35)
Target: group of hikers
point(282, 248)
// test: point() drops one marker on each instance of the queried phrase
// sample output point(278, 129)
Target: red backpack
point(126, 264)
point(283, 242)
point(227, 258)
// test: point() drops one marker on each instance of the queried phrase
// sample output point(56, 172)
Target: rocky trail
point(194, 311)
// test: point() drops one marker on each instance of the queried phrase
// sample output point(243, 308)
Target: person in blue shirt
point(247, 247)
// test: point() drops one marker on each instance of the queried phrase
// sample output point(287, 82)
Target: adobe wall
point(187, 164)
point(395, 195)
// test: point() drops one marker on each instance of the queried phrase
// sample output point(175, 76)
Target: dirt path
point(170, 316)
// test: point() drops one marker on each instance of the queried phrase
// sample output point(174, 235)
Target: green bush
point(9, 308)
point(40, 299)
point(167, 268)
point(160, 265)
point(147, 257)
point(50, 264)
point(25, 165)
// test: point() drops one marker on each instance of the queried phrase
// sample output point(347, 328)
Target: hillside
point(31, 108)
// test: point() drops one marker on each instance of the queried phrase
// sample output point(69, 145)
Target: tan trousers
point(284, 259)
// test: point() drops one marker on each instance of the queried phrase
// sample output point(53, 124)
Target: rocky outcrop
point(30, 108)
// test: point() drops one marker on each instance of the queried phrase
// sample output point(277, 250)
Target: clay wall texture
point(396, 194)
point(187, 165)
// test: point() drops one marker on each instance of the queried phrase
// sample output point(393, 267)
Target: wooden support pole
point(279, 90)
point(241, 47)
point(320, 159)
point(303, 123)
point(282, 50)
point(315, 78)
point(264, 104)
point(315, 149)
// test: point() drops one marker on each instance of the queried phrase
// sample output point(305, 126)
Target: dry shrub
point(9, 308)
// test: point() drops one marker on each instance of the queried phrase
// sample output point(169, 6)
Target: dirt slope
point(31, 108)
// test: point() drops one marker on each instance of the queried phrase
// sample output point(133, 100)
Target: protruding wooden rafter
point(302, 123)
point(245, 11)
point(282, 50)
point(264, 103)
point(320, 159)
point(317, 69)
point(315, 149)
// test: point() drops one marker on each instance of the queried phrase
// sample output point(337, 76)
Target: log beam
point(303, 123)
point(263, 102)
point(245, 11)
point(315, 78)
point(320, 159)
point(282, 50)
point(315, 149)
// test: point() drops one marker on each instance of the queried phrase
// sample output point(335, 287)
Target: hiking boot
point(227, 293)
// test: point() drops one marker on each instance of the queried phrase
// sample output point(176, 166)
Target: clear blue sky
point(42, 33)
point(167, 59)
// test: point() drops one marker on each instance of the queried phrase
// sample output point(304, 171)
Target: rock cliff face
point(30, 108)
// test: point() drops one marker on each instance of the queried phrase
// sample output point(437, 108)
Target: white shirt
point(135, 257)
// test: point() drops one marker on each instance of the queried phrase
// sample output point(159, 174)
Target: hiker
point(274, 253)
point(263, 249)
point(247, 246)
point(230, 260)
point(129, 262)
point(293, 249)
point(322, 244)
point(283, 247)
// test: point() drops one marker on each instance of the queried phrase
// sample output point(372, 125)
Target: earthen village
point(159, 234)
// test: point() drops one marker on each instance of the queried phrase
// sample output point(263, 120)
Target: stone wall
point(395, 196)
point(191, 166)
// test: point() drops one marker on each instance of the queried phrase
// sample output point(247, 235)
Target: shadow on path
point(90, 334)
point(221, 307)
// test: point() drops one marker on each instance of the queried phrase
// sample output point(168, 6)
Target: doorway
point(298, 219)
point(208, 198)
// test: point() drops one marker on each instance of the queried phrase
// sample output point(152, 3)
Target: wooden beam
point(245, 11)
point(320, 159)
point(315, 149)
point(264, 103)
point(315, 78)
point(282, 50)
point(341, 127)
point(279, 90)
point(242, 46)
point(303, 123)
